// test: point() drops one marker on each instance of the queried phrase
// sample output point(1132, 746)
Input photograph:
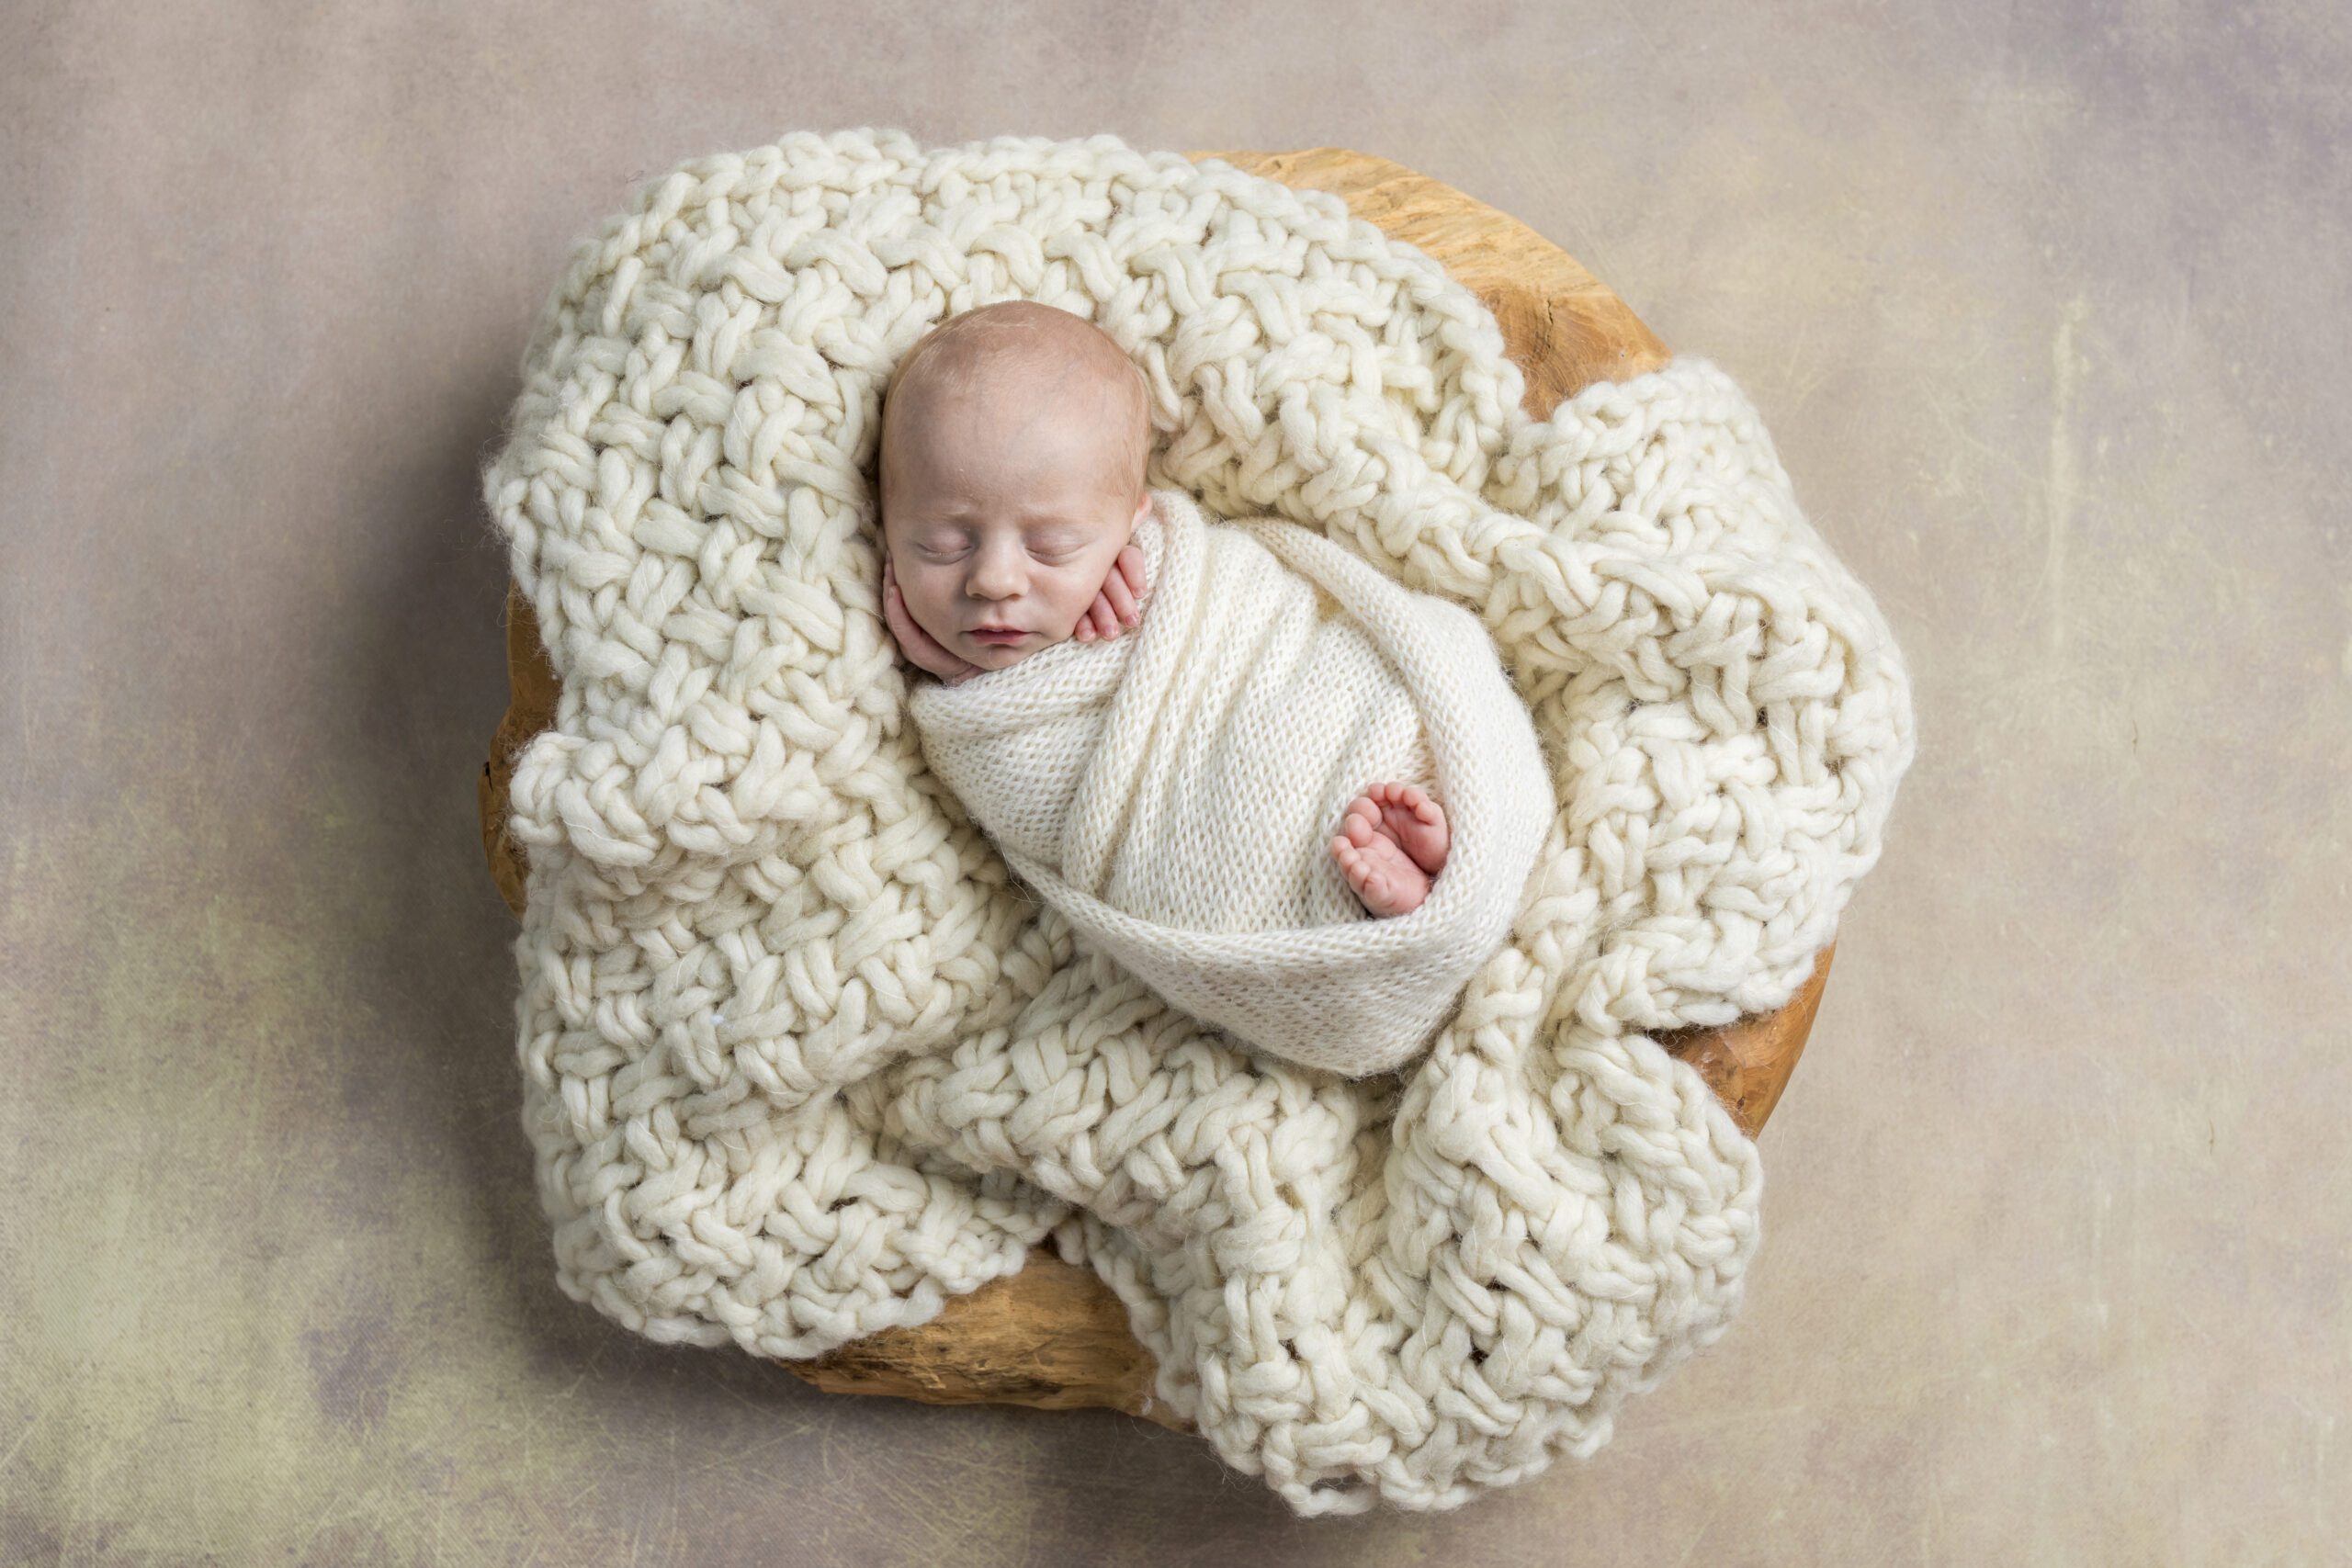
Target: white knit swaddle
point(1173, 792)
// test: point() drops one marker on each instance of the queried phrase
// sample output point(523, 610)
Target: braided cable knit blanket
point(801, 1060)
point(1173, 793)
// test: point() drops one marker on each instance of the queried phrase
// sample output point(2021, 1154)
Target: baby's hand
point(921, 649)
point(1118, 604)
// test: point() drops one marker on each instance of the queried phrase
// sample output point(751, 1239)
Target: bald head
point(1018, 369)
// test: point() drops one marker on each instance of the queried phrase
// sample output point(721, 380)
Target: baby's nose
point(994, 577)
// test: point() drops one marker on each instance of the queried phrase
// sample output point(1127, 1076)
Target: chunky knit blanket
point(801, 1060)
point(1173, 793)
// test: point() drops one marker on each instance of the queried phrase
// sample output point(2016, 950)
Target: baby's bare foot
point(1383, 876)
point(1407, 813)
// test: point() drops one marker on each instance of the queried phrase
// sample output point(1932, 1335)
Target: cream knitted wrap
point(1172, 793)
point(800, 1061)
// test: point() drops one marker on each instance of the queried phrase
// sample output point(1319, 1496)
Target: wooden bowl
point(1054, 1336)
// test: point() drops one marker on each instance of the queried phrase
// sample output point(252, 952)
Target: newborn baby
point(1211, 745)
point(1011, 489)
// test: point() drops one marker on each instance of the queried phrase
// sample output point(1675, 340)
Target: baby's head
point(1012, 473)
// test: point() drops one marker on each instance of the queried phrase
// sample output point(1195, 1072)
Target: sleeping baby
point(1014, 444)
point(1209, 742)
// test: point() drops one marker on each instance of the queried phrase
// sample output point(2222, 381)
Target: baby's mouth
point(997, 635)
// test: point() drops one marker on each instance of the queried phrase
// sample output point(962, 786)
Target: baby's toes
point(1354, 863)
point(1418, 826)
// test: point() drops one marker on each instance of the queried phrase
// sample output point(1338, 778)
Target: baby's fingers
point(1116, 606)
point(893, 607)
point(1130, 566)
point(1120, 599)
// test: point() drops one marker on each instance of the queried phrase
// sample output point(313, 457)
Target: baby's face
point(1002, 520)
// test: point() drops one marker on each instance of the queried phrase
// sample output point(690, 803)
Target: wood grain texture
point(1053, 1335)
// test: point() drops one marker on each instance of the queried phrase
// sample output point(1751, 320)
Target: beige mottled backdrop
point(2047, 309)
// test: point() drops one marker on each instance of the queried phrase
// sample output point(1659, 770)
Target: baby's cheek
point(922, 607)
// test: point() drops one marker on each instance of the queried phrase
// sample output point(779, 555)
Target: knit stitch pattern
point(1173, 793)
point(801, 1061)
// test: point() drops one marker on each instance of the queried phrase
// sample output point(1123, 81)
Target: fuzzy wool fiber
point(802, 1061)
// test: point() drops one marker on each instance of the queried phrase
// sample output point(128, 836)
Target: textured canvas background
point(2046, 309)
